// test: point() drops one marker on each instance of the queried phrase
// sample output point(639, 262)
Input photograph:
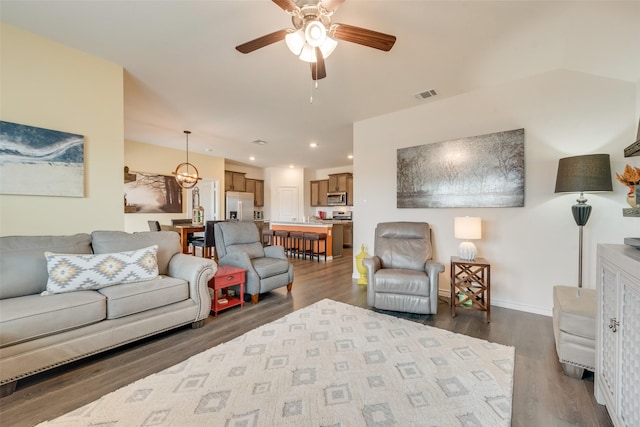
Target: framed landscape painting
point(479, 171)
point(152, 193)
point(40, 162)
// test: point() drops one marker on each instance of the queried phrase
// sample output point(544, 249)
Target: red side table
point(225, 277)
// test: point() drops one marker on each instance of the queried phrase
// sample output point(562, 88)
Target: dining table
point(185, 230)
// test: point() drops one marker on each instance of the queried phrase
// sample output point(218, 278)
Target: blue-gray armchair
point(239, 244)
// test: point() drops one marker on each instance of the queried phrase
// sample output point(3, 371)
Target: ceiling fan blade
point(318, 70)
point(287, 5)
point(370, 38)
point(331, 5)
point(263, 41)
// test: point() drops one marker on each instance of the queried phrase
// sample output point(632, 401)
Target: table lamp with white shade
point(467, 228)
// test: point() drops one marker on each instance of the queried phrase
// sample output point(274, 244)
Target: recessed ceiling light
point(313, 145)
point(350, 156)
point(208, 150)
point(290, 166)
point(259, 142)
point(252, 158)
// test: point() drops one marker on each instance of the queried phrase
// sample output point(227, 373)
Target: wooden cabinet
point(255, 186)
point(617, 323)
point(347, 235)
point(234, 181)
point(259, 193)
point(318, 192)
point(338, 182)
point(350, 198)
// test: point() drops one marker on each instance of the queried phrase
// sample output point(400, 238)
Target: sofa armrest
point(197, 271)
point(372, 264)
point(433, 270)
point(274, 252)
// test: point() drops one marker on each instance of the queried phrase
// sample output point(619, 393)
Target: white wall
point(531, 249)
point(282, 177)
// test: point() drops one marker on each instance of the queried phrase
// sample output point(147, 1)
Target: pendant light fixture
point(186, 174)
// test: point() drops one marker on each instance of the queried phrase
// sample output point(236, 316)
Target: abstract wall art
point(40, 162)
point(478, 171)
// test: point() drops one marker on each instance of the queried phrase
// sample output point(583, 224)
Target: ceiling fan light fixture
point(295, 41)
point(315, 33)
point(328, 47)
point(308, 53)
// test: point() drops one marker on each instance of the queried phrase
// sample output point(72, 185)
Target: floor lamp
point(578, 174)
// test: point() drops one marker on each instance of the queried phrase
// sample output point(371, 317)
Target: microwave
point(337, 199)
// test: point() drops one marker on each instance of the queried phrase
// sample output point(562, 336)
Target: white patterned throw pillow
point(71, 272)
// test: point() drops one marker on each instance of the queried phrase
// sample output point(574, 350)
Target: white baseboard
point(508, 304)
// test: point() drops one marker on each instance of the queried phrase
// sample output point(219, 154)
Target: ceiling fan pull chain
point(311, 96)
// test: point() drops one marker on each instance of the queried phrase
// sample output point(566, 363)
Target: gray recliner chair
point(239, 244)
point(401, 274)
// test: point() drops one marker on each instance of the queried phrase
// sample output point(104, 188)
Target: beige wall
point(48, 85)
point(141, 157)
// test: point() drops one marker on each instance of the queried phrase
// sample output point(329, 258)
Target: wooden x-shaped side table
point(471, 283)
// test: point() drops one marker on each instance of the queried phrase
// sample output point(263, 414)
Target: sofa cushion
point(238, 236)
point(33, 316)
point(399, 281)
point(23, 267)
point(69, 272)
point(119, 241)
point(130, 298)
point(403, 244)
point(576, 315)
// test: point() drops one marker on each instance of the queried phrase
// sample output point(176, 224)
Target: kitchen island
point(311, 227)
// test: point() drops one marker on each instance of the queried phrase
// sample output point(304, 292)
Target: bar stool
point(267, 237)
point(296, 240)
point(281, 238)
point(314, 240)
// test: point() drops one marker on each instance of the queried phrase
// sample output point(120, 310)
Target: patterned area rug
point(329, 364)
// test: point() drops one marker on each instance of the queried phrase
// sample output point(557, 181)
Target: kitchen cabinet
point(350, 198)
point(338, 242)
point(617, 323)
point(234, 181)
point(338, 182)
point(319, 190)
point(255, 186)
point(347, 239)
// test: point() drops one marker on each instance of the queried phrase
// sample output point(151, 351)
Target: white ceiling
point(182, 71)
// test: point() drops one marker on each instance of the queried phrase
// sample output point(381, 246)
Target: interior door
point(287, 203)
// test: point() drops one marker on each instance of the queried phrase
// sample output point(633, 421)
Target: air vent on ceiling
point(426, 94)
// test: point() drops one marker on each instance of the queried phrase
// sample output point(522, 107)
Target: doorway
point(209, 199)
point(287, 203)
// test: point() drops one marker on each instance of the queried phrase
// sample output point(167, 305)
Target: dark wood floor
point(543, 395)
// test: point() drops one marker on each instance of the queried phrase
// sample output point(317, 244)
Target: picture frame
point(478, 171)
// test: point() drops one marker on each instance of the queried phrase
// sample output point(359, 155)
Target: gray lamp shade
point(591, 172)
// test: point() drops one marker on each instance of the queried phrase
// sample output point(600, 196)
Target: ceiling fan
point(313, 36)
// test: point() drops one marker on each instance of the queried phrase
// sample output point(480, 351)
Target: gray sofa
point(401, 274)
point(39, 332)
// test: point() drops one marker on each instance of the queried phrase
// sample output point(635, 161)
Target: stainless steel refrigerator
point(239, 206)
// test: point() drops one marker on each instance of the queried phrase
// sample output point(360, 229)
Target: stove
point(342, 215)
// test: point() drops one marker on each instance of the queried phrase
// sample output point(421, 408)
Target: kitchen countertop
point(303, 224)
